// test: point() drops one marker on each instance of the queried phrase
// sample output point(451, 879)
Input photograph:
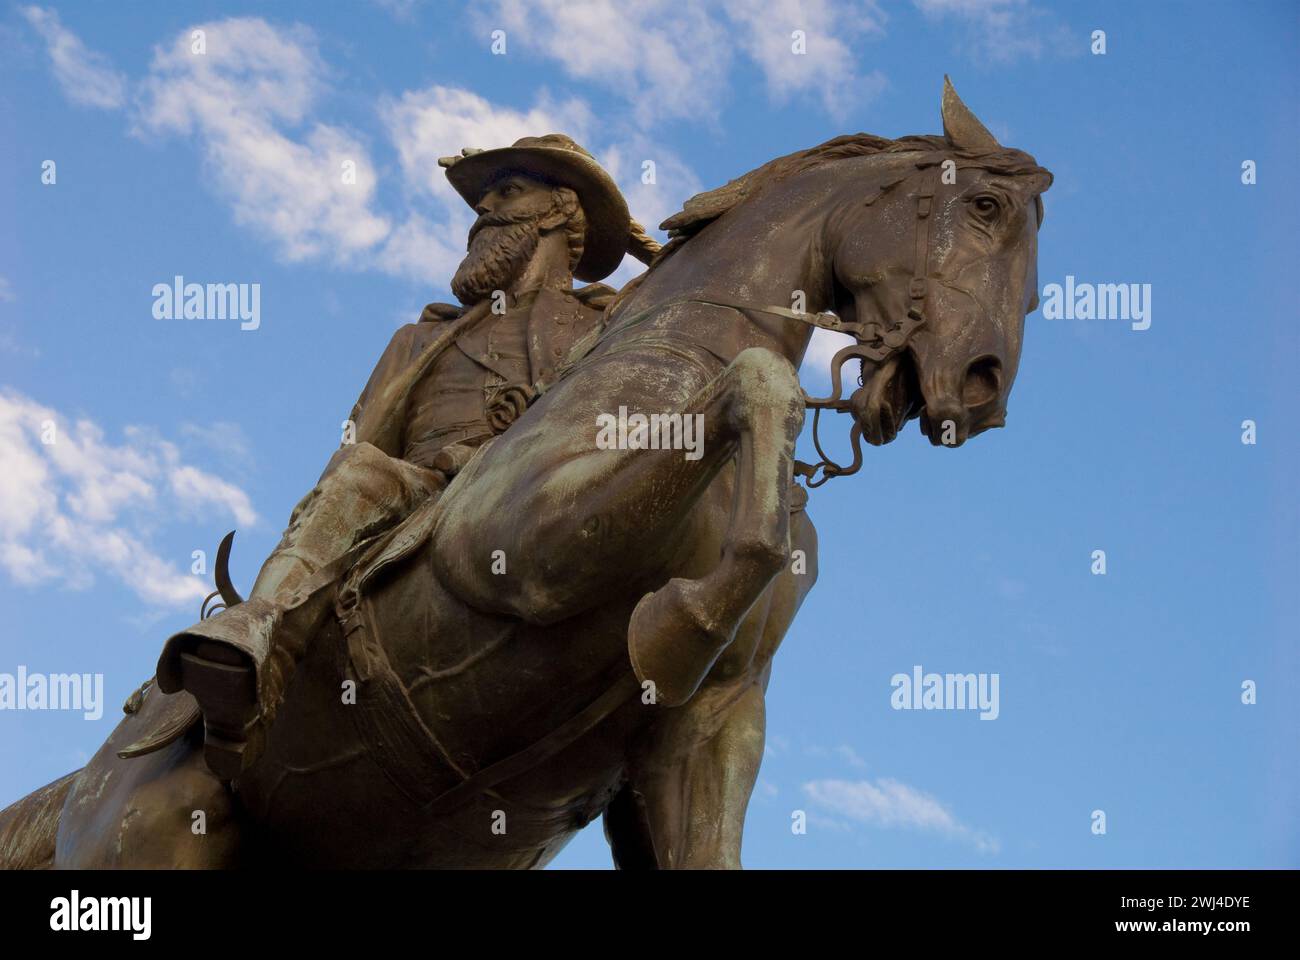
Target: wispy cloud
point(827, 68)
point(1004, 31)
point(309, 188)
point(402, 11)
point(439, 121)
point(885, 802)
point(312, 195)
point(667, 58)
point(85, 76)
point(73, 504)
point(815, 371)
point(675, 58)
point(224, 438)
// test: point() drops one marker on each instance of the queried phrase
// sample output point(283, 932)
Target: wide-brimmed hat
point(556, 159)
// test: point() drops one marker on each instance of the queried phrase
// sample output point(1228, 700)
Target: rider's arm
point(401, 351)
point(391, 362)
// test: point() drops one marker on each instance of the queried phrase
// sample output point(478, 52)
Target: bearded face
point(505, 235)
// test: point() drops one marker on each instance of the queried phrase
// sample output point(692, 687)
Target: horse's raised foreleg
point(595, 522)
point(678, 631)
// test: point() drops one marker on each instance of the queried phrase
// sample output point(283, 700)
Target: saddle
point(171, 715)
point(400, 742)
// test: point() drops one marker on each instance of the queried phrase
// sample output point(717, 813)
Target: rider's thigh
point(369, 481)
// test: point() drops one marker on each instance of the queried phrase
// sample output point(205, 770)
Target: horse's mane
point(703, 208)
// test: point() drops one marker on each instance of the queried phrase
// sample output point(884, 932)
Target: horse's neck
point(744, 259)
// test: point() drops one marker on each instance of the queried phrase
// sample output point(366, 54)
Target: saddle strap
point(400, 743)
point(406, 749)
point(562, 736)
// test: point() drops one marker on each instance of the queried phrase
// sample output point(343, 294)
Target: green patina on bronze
point(482, 629)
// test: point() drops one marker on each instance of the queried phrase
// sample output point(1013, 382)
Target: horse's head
point(938, 266)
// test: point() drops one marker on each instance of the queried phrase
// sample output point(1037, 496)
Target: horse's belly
point(325, 794)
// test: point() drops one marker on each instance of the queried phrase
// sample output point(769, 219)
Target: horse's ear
point(962, 128)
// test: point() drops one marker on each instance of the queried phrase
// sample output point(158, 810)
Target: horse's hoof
point(671, 644)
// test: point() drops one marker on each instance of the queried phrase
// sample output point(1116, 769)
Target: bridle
point(874, 341)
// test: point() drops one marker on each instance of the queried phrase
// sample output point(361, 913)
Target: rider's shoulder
point(435, 312)
point(595, 296)
point(411, 337)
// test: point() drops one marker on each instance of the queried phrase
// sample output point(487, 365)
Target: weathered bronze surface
point(483, 628)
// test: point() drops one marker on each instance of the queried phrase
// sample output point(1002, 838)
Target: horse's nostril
point(983, 382)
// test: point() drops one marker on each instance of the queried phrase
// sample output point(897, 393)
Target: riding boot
point(237, 664)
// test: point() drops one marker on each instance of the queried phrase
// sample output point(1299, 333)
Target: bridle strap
point(921, 264)
point(873, 343)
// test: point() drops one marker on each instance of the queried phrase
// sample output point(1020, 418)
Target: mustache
point(497, 220)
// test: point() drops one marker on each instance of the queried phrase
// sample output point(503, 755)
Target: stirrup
point(218, 662)
point(224, 683)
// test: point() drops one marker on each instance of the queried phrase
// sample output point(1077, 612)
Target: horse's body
point(683, 563)
point(485, 685)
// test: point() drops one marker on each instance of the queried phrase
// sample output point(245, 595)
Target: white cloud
point(224, 437)
point(668, 58)
point(439, 121)
point(888, 803)
point(673, 58)
point(236, 98)
point(651, 203)
point(816, 367)
point(1005, 30)
point(402, 11)
point(6, 291)
point(248, 104)
point(842, 752)
point(828, 68)
point(199, 489)
point(82, 505)
point(85, 76)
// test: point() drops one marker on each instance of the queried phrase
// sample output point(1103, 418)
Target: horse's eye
point(986, 206)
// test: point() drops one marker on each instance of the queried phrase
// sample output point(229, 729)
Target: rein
point(874, 342)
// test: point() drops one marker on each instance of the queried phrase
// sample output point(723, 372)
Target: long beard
point(498, 253)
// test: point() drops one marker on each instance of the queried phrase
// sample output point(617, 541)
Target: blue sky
point(1119, 692)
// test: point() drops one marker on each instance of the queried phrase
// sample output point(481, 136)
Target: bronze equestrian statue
point(483, 628)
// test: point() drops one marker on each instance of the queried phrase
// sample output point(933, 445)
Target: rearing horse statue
point(573, 630)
